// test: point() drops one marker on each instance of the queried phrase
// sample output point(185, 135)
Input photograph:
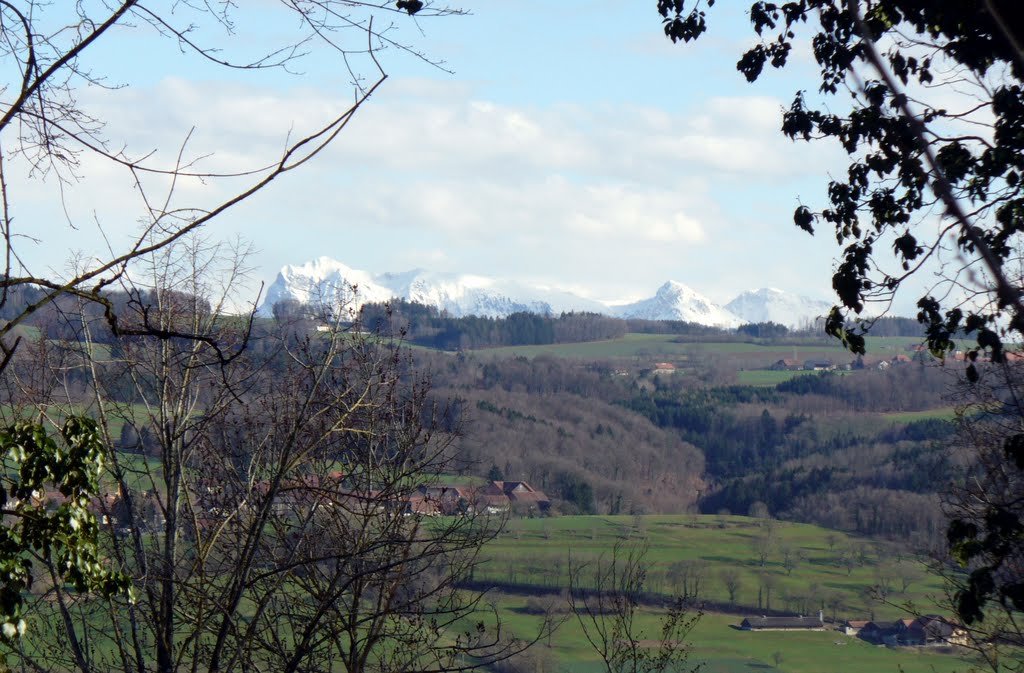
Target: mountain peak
point(676, 301)
point(768, 304)
point(326, 280)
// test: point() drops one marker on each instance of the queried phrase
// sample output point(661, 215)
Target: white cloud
point(430, 174)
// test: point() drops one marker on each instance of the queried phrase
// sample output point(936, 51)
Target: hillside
point(805, 568)
point(856, 450)
point(681, 418)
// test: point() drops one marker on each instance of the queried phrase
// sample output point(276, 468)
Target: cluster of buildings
point(924, 630)
point(497, 497)
point(213, 500)
point(921, 631)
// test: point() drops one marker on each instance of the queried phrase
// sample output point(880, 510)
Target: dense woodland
point(818, 449)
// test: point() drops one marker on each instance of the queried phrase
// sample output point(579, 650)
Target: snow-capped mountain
point(326, 281)
point(771, 305)
point(675, 301)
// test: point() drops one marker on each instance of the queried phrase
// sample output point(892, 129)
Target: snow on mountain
point(323, 281)
point(768, 304)
point(675, 301)
point(327, 281)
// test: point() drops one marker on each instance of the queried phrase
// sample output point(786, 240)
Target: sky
point(566, 144)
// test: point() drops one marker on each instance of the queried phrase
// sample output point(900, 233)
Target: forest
point(837, 450)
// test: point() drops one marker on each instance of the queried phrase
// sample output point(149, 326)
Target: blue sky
point(572, 146)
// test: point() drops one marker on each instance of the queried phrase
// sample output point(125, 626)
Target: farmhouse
point(852, 627)
point(783, 624)
point(449, 498)
point(522, 495)
point(881, 633)
point(922, 631)
point(786, 364)
point(417, 503)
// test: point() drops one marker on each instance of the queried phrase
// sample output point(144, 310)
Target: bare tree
point(791, 558)
point(763, 544)
point(605, 597)
point(769, 582)
point(907, 574)
point(687, 578)
point(47, 132)
point(883, 583)
point(274, 524)
point(848, 559)
point(731, 581)
point(835, 602)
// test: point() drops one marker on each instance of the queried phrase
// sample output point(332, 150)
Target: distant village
point(212, 504)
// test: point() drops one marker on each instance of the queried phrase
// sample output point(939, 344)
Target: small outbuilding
point(783, 624)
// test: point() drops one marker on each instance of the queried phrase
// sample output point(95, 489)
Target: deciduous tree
point(63, 543)
point(605, 596)
point(276, 525)
point(731, 581)
point(926, 99)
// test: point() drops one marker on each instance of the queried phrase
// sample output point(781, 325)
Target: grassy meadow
point(719, 647)
point(827, 564)
point(766, 377)
point(833, 569)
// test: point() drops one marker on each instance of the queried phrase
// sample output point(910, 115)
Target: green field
point(720, 647)
point(537, 552)
point(766, 377)
point(668, 346)
point(943, 413)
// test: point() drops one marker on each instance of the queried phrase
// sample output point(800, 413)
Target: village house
point(926, 630)
point(852, 627)
point(664, 368)
point(311, 493)
point(496, 497)
point(523, 496)
point(450, 499)
point(418, 504)
point(881, 632)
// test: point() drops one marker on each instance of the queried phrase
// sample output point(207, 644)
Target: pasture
point(536, 553)
point(719, 647)
point(942, 413)
point(804, 566)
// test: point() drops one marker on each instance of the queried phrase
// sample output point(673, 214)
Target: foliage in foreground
point(64, 541)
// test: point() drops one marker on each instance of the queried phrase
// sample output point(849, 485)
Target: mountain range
point(327, 281)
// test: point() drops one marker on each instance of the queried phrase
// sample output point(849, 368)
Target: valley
point(769, 471)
